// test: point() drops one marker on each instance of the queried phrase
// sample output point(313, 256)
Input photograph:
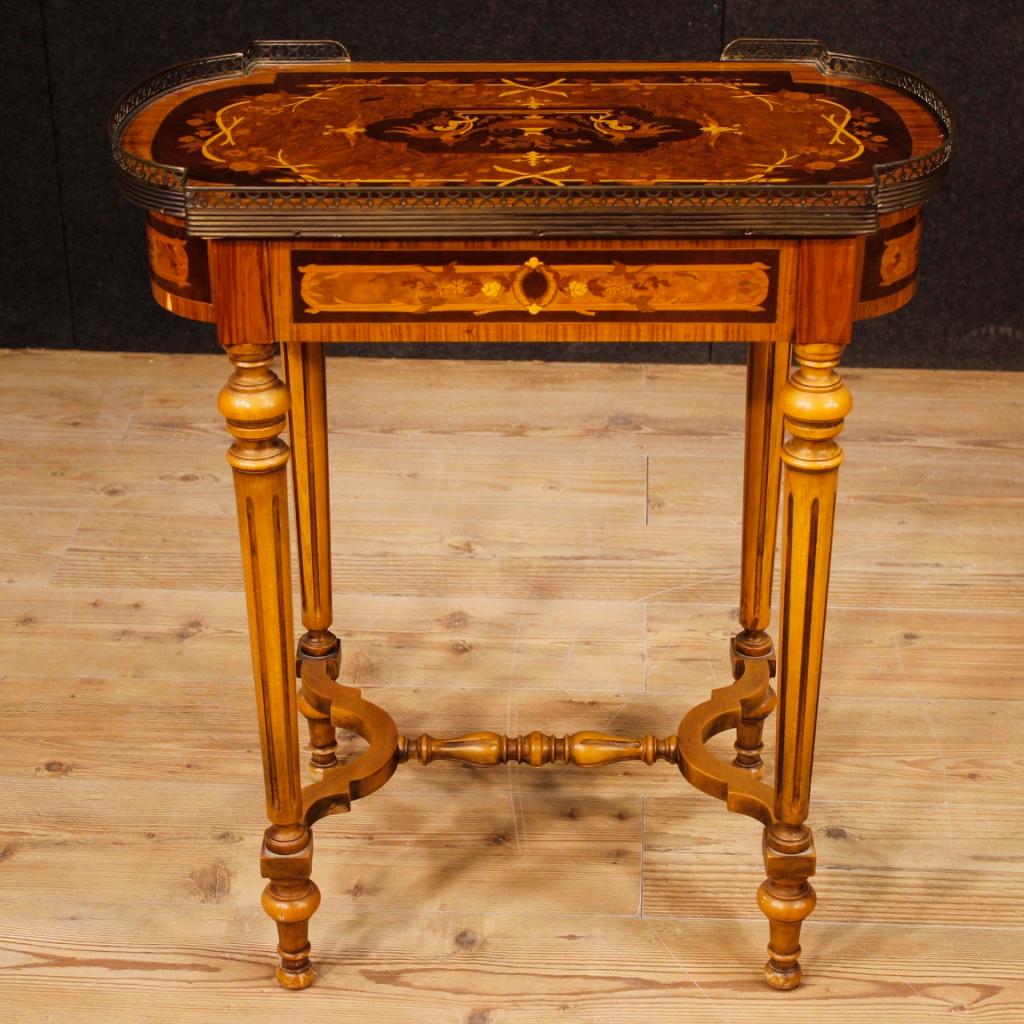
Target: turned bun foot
point(291, 903)
point(295, 979)
point(783, 977)
point(785, 902)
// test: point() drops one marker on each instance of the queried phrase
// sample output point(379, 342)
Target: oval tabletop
point(294, 139)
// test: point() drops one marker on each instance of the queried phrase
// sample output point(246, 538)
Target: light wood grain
point(468, 595)
point(31, 546)
point(627, 406)
point(473, 550)
point(950, 751)
point(189, 635)
point(445, 967)
point(876, 652)
point(896, 858)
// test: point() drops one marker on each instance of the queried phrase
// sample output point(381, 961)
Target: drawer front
point(534, 286)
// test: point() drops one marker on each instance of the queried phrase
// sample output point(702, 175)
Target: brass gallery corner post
point(297, 197)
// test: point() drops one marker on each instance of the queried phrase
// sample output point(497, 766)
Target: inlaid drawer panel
point(539, 285)
point(509, 290)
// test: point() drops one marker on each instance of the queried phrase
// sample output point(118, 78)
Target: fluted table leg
point(305, 377)
point(767, 373)
point(815, 403)
point(254, 403)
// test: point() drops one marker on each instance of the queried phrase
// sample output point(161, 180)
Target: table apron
point(504, 291)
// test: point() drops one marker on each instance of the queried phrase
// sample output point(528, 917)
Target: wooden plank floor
point(517, 546)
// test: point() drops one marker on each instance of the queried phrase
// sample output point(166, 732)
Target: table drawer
point(535, 284)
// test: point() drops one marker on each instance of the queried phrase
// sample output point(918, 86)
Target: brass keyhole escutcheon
point(534, 285)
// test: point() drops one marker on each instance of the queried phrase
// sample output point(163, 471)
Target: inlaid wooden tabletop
point(796, 139)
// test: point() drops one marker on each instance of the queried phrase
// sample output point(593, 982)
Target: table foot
point(295, 980)
point(785, 905)
point(290, 899)
point(782, 980)
point(786, 897)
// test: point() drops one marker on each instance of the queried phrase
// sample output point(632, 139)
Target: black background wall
point(73, 268)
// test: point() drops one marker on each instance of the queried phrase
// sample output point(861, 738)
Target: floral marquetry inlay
point(489, 128)
point(168, 258)
point(693, 285)
point(899, 258)
point(891, 258)
point(289, 141)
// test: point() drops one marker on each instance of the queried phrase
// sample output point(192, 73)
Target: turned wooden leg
point(815, 403)
point(254, 403)
point(305, 377)
point(767, 373)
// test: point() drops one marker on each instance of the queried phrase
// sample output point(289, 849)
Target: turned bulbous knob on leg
point(785, 904)
point(291, 903)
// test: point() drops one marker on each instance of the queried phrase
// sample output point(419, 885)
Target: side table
point(297, 197)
